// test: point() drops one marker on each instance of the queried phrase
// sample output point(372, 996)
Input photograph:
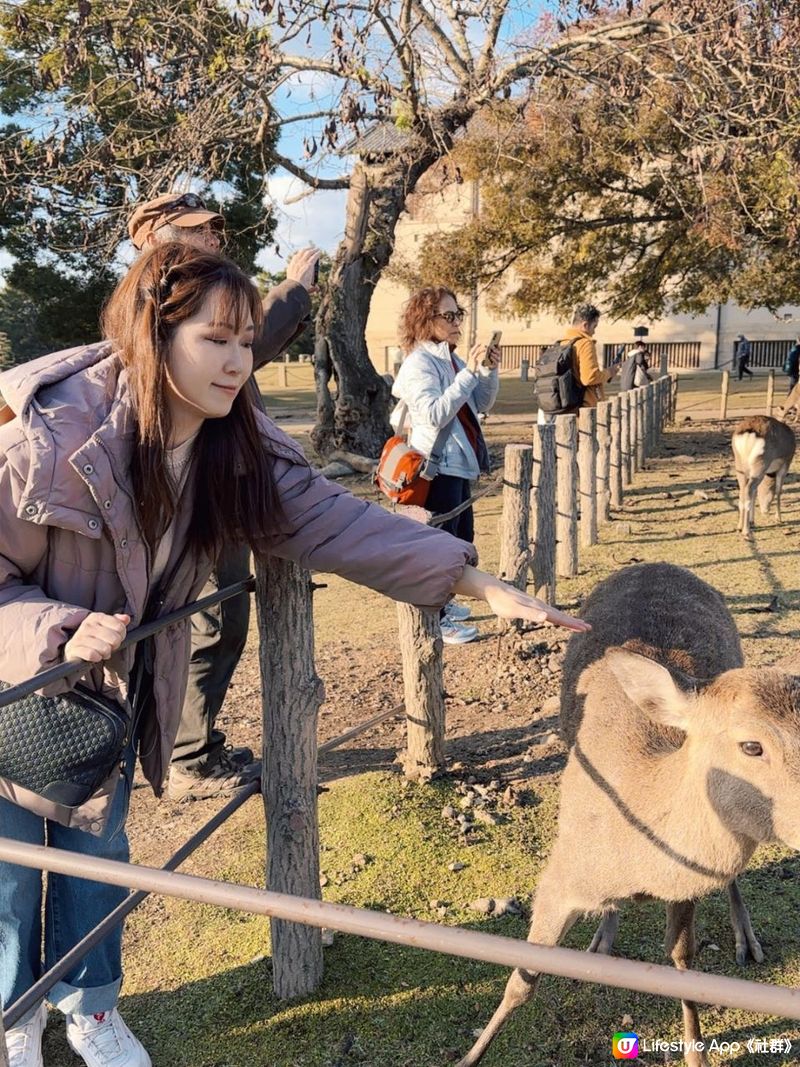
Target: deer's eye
point(751, 748)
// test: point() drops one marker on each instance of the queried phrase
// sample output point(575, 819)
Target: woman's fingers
point(510, 603)
point(97, 637)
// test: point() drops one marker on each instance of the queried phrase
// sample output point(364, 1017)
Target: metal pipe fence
point(450, 940)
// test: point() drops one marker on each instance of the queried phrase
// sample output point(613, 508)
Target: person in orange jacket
point(586, 366)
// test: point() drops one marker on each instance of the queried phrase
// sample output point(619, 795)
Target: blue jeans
point(73, 906)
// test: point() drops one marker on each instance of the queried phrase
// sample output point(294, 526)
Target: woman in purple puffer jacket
point(128, 466)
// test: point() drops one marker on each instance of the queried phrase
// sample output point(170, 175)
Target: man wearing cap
point(202, 764)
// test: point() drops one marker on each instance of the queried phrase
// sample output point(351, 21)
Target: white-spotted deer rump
point(763, 448)
point(681, 763)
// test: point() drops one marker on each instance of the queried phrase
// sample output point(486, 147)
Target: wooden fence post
point(652, 417)
point(616, 473)
point(291, 694)
point(636, 462)
point(283, 377)
point(664, 365)
point(524, 367)
point(641, 428)
point(603, 462)
point(587, 474)
point(673, 403)
point(543, 512)
point(723, 396)
point(626, 436)
point(515, 547)
point(567, 504)
point(423, 685)
point(770, 390)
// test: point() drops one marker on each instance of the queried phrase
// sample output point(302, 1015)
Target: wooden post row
point(291, 695)
point(515, 552)
point(723, 396)
point(587, 474)
point(543, 512)
point(770, 390)
point(567, 498)
point(603, 490)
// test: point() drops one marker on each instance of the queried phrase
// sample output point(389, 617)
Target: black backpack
point(555, 386)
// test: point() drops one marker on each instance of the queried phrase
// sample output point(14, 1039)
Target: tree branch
point(309, 179)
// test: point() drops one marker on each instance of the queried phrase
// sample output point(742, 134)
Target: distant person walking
point(742, 356)
point(791, 366)
point(635, 369)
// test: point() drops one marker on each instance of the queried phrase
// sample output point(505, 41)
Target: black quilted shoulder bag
point(62, 747)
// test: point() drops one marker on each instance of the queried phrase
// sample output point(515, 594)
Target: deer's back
point(659, 610)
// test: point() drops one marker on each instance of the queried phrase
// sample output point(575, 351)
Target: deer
point(791, 406)
point(682, 762)
point(763, 448)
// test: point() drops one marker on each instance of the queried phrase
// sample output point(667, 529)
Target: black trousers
point(219, 635)
point(446, 493)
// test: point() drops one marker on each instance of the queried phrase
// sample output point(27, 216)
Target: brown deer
point(763, 448)
point(791, 406)
point(682, 762)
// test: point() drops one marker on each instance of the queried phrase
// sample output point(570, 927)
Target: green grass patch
point(198, 986)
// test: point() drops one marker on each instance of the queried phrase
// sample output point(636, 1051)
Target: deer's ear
point(653, 688)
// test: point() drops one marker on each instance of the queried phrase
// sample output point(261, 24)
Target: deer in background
point(763, 448)
point(681, 764)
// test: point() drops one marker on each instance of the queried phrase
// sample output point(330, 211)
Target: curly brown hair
point(419, 311)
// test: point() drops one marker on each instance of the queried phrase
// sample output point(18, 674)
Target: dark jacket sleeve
point(325, 528)
point(287, 312)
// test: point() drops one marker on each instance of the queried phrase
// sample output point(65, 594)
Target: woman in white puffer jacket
point(436, 387)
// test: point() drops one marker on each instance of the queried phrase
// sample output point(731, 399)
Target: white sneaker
point(454, 633)
point(457, 612)
point(24, 1043)
point(103, 1040)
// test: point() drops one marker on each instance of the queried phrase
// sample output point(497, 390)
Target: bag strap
point(431, 464)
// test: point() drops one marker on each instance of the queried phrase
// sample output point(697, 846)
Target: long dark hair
point(235, 494)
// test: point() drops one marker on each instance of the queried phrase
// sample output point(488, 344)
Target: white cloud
point(317, 219)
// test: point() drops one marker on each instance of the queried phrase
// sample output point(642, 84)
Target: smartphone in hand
point(493, 343)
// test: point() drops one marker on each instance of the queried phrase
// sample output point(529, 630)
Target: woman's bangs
point(237, 303)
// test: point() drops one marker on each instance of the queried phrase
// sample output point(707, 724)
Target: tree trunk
point(291, 696)
point(357, 420)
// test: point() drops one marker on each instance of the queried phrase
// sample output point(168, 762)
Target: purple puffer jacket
point(70, 543)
